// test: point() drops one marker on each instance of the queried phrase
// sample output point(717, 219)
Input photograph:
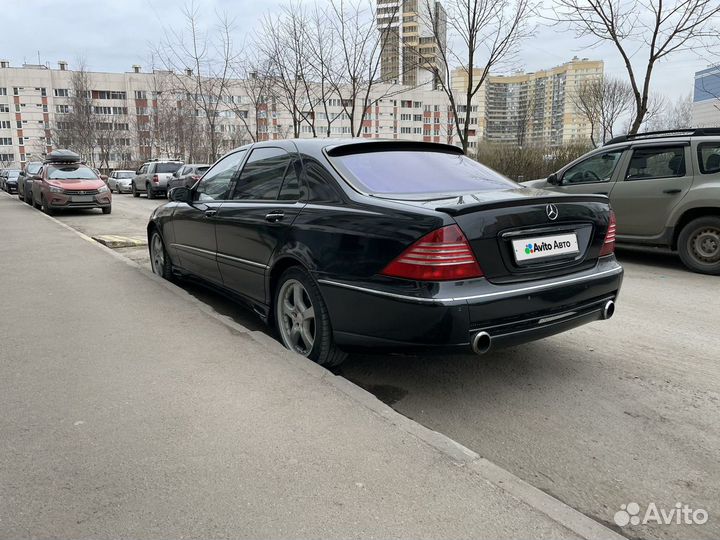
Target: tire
point(135, 192)
point(699, 245)
point(149, 191)
point(45, 208)
point(35, 204)
point(107, 210)
point(309, 336)
point(159, 260)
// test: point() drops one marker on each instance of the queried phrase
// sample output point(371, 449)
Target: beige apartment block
point(532, 108)
point(34, 99)
point(410, 46)
point(529, 108)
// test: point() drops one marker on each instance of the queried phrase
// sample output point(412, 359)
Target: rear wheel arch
point(690, 215)
point(276, 271)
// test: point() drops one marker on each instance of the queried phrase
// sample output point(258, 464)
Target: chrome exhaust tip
point(481, 343)
point(608, 309)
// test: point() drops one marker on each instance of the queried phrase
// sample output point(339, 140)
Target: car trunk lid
point(524, 234)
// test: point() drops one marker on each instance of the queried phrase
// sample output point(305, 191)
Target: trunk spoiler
point(474, 206)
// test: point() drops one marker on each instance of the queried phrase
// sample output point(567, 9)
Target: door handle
point(672, 191)
point(210, 212)
point(275, 216)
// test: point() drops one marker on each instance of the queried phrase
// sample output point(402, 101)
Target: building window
point(62, 109)
point(3, 91)
point(5, 141)
point(16, 91)
point(7, 157)
point(140, 94)
point(61, 92)
point(5, 124)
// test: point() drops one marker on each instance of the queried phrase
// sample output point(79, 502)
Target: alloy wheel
point(296, 317)
point(157, 255)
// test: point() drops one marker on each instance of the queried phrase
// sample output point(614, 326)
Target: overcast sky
point(114, 35)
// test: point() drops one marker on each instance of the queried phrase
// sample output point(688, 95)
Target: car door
point(266, 200)
point(139, 179)
point(654, 181)
point(194, 240)
point(596, 174)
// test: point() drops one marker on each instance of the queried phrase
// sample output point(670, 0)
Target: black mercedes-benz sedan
point(391, 245)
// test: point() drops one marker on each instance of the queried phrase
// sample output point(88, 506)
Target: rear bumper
point(449, 315)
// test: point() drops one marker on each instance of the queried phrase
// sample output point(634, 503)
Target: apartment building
point(531, 108)
point(706, 98)
point(411, 41)
point(145, 112)
point(35, 101)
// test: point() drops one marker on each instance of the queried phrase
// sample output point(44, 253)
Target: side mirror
point(180, 194)
point(553, 179)
point(138, 171)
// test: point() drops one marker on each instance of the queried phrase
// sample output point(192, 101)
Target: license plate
point(542, 247)
point(82, 198)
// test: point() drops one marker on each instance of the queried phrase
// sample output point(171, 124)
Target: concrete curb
point(553, 508)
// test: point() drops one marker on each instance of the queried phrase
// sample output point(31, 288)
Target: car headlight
point(56, 189)
point(103, 189)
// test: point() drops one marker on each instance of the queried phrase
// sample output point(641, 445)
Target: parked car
point(121, 181)
point(9, 180)
point(388, 244)
point(187, 175)
point(64, 182)
point(153, 176)
point(25, 180)
point(664, 187)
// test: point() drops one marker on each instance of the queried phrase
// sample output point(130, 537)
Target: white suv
point(153, 176)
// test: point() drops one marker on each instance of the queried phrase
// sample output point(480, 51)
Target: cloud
point(114, 35)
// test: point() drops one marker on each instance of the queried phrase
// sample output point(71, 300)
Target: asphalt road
point(620, 411)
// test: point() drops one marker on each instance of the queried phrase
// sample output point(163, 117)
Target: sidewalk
point(127, 411)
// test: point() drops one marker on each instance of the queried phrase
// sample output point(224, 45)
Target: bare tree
point(676, 115)
point(486, 36)
point(650, 29)
point(200, 61)
point(357, 71)
point(76, 128)
point(603, 102)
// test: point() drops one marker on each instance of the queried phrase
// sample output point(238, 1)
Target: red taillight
point(442, 255)
point(608, 247)
point(156, 179)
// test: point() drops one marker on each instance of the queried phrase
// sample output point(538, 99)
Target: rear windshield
point(125, 174)
point(416, 172)
point(13, 174)
point(167, 167)
point(201, 170)
point(71, 172)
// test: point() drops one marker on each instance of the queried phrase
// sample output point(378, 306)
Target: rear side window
point(167, 167)
point(419, 172)
point(709, 157)
point(263, 174)
point(320, 183)
point(656, 162)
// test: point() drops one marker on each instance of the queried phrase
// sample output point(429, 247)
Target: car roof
point(123, 170)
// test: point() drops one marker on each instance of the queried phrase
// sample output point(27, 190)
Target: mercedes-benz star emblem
point(552, 212)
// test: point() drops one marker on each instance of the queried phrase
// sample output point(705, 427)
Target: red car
point(65, 182)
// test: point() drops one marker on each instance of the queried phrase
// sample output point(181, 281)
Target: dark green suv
point(664, 188)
